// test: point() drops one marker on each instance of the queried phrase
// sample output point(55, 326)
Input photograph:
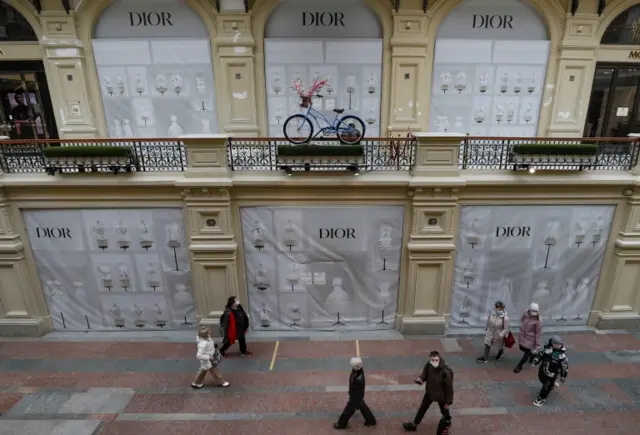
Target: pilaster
point(22, 305)
point(64, 63)
point(408, 72)
point(437, 155)
point(621, 301)
point(431, 261)
point(236, 88)
point(576, 67)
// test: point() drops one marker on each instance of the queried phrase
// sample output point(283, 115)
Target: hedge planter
point(559, 155)
point(320, 155)
point(88, 158)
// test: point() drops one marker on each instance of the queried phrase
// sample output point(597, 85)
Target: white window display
point(489, 69)
point(336, 41)
point(95, 278)
point(153, 59)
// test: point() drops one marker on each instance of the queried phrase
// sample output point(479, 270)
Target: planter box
point(89, 164)
point(338, 161)
point(555, 159)
point(326, 156)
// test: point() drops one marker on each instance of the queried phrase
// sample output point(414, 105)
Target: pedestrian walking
point(496, 332)
point(234, 324)
point(356, 397)
point(529, 335)
point(437, 377)
point(209, 358)
point(554, 367)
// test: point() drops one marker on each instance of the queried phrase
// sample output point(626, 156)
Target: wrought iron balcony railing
point(147, 155)
point(380, 154)
point(496, 153)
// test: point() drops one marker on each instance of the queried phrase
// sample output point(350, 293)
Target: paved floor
point(298, 387)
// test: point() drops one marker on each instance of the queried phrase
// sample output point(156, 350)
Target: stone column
point(235, 87)
point(409, 102)
point(576, 67)
point(212, 243)
point(433, 230)
point(64, 64)
point(23, 311)
point(619, 292)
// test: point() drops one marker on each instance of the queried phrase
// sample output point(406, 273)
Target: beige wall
point(237, 51)
point(211, 197)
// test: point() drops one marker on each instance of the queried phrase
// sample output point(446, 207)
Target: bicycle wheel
point(298, 129)
point(350, 130)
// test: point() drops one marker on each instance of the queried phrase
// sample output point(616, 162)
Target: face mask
point(534, 313)
point(435, 363)
point(499, 313)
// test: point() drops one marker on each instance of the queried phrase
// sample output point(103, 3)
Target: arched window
point(13, 26)
point(624, 29)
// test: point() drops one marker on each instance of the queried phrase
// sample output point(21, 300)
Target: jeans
point(351, 408)
point(487, 348)
point(213, 371)
point(241, 341)
point(424, 406)
point(528, 355)
point(548, 384)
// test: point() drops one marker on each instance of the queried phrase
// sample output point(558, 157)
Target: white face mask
point(435, 364)
point(534, 313)
point(500, 313)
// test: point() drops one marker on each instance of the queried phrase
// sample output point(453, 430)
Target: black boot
point(409, 427)
point(500, 354)
point(338, 426)
point(518, 369)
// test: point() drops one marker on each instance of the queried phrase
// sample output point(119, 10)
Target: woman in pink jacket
point(530, 334)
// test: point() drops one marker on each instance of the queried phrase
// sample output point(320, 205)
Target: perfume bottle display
point(146, 238)
point(101, 235)
point(159, 317)
point(153, 277)
point(116, 313)
point(139, 321)
point(124, 240)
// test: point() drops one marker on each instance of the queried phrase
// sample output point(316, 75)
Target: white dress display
point(101, 239)
point(108, 85)
point(564, 305)
point(159, 318)
point(598, 229)
point(484, 82)
point(499, 113)
point(80, 293)
point(581, 232)
point(124, 238)
point(161, 84)
point(528, 113)
point(265, 320)
point(472, 234)
point(139, 320)
point(385, 241)
point(294, 275)
point(120, 84)
point(145, 116)
point(371, 88)
point(480, 115)
point(153, 277)
point(511, 112)
point(127, 129)
point(261, 281)
point(295, 314)
point(552, 233)
point(146, 238)
point(580, 302)
point(177, 83)
point(107, 281)
point(123, 276)
point(174, 235)
point(517, 88)
point(465, 310)
point(116, 313)
point(533, 84)
point(469, 273)
point(504, 82)
point(182, 298)
point(290, 238)
point(338, 300)
point(541, 296)
point(258, 236)
point(175, 129)
point(117, 128)
point(385, 295)
point(139, 84)
point(461, 82)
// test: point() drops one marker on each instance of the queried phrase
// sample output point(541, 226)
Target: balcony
point(378, 155)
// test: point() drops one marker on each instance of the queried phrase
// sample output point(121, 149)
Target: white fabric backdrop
point(91, 282)
point(297, 280)
point(556, 262)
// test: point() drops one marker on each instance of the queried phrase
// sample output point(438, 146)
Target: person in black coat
point(234, 324)
point(356, 398)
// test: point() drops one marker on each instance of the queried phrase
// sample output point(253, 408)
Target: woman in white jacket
point(209, 358)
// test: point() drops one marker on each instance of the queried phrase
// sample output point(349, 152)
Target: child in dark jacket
point(554, 367)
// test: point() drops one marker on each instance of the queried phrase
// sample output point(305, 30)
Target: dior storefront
point(336, 41)
point(489, 69)
point(153, 59)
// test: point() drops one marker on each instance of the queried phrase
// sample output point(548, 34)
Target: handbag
point(509, 340)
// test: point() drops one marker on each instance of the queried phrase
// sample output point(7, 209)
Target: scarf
point(231, 332)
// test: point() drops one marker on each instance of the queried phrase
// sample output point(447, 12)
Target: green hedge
point(553, 150)
point(87, 151)
point(321, 150)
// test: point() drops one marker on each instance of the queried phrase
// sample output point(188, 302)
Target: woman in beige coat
point(497, 330)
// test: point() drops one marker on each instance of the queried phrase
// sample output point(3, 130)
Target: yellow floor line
point(358, 348)
point(275, 353)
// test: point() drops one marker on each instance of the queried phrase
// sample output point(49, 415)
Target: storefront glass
point(489, 69)
point(13, 26)
point(153, 59)
point(337, 41)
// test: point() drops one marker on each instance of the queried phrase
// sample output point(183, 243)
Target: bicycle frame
point(331, 128)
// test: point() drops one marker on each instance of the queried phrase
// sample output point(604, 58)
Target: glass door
point(25, 109)
point(614, 103)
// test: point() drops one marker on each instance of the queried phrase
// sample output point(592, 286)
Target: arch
point(260, 14)
point(87, 16)
point(29, 13)
point(610, 13)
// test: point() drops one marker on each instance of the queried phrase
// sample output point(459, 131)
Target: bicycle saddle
point(338, 111)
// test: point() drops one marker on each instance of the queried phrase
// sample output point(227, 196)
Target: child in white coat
point(209, 357)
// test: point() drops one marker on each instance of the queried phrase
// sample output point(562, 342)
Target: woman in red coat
point(235, 324)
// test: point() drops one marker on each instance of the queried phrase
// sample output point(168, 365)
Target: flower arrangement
point(307, 94)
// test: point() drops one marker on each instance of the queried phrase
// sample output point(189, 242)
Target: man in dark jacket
point(356, 398)
point(234, 324)
point(438, 378)
point(554, 366)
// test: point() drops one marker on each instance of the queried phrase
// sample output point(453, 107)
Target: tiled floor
point(66, 386)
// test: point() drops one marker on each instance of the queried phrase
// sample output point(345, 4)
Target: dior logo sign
point(53, 233)
point(508, 231)
point(323, 19)
point(150, 19)
point(492, 21)
point(337, 233)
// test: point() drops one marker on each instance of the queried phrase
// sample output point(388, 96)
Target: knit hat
point(534, 307)
point(555, 340)
point(499, 304)
point(356, 363)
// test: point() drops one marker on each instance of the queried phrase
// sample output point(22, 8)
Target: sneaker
point(338, 427)
point(538, 402)
point(481, 360)
point(518, 369)
point(409, 427)
point(196, 386)
point(225, 384)
point(500, 355)
point(247, 353)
